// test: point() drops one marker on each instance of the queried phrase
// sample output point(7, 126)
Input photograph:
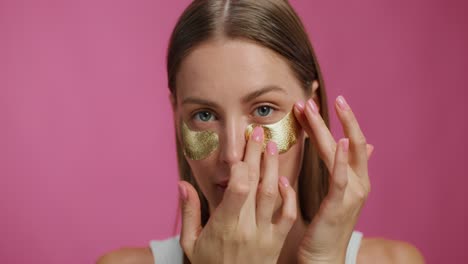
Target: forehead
point(232, 67)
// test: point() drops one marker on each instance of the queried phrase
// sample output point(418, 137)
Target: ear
point(315, 89)
point(315, 97)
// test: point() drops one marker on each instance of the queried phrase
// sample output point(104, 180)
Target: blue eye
point(203, 116)
point(264, 110)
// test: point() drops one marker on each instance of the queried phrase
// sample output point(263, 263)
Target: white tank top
point(169, 251)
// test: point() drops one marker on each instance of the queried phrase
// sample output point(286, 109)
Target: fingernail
point(272, 148)
point(284, 181)
point(371, 149)
point(300, 105)
point(257, 134)
point(342, 103)
point(182, 192)
point(345, 144)
point(312, 106)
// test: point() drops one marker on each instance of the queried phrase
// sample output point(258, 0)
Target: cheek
point(198, 145)
point(201, 170)
point(204, 173)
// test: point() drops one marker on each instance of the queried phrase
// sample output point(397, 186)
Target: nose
point(232, 142)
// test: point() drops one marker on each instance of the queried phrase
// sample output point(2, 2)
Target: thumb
point(191, 222)
point(370, 150)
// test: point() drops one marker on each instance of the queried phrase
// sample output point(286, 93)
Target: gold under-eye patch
point(284, 132)
point(198, 144)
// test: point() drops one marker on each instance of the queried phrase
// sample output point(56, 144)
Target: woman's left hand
point(327, 237)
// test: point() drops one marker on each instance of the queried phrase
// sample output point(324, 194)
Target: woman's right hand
point(242, 228)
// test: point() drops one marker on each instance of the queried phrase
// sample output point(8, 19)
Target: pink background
point(87, 158)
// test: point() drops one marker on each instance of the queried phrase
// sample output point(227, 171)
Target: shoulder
point(127, 256)
point(379, 250)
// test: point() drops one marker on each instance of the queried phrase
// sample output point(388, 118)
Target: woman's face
point(225, 85)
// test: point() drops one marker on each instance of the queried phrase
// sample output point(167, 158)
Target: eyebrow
point(193, 100)
point(249, 97)
point(270, 88)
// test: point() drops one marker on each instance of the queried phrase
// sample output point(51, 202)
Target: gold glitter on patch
point(284, 132)
point(198, 145)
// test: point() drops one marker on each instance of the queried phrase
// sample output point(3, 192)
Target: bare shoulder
point(127, 256)
point(380, 250)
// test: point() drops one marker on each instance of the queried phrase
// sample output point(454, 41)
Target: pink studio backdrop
point(87, 157)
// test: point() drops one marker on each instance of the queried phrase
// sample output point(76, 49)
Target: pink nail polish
point(371, 149)
point(257, 134)
point(284, 181)
point(300, 105)
point(312, 106)
point(182, 192)
point(342, 103)
point(345, 144)
point(272, 148)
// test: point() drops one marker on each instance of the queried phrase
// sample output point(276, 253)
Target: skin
point(213, 82)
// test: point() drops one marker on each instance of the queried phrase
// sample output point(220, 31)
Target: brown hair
point(272, 24)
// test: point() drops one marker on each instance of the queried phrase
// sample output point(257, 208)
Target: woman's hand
point(241, 228)
point(327, 237)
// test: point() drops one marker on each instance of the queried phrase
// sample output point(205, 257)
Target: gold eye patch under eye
point(284, 132)
point(198, 144)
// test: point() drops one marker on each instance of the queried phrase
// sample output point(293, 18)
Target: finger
point(300, 116)
point(235, 195)
point(191, 225)
point(299, 108)
point(253, 154)
point(268, 189)
point(370, 150)
point(357, 141)
point(288, 208)
point(339, 176)
point(319, 133)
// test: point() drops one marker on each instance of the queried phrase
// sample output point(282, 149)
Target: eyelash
point(197, 114)
point(270, 108)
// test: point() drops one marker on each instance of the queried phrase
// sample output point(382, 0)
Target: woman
point(263, 179)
